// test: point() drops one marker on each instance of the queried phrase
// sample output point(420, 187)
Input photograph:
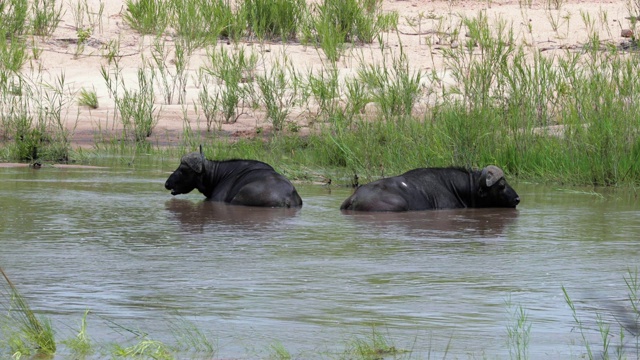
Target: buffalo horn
point(491, 174)
point(194, 160)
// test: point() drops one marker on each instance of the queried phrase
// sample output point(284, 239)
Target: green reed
point(149, 17)
point(13, 17)
point(518, 332)
point(333, 23)
point(278, 92)
point(80, 345)
point(372, 346)
point(274, 19)
point(174, 80)
point(622, 345)
point(202, 22)
point(394, 87)
point(24, 333)
point(566, 116)
point(135, 107)
point(46, 17)
point(235, 69)
point(13, 54)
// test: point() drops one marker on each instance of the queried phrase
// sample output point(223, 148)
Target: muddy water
point(115, 242)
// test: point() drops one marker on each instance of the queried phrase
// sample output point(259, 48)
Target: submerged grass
point(625, 343)
point(24, 333)
point(80, 345)
point(518, 332)
point(373, 346)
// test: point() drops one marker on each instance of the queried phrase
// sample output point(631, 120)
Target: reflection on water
point(115, 242)
point(441, 223)
point(198, 215)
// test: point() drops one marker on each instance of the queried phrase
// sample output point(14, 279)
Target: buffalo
point(238, 182)
point(435, 188)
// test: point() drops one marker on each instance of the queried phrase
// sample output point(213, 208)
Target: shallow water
point(438, 282)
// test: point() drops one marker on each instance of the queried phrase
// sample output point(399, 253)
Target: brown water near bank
point(115, 242)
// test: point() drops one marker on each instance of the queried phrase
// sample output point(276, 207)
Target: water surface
point(115, 242)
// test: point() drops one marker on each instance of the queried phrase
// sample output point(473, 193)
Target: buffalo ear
point(194, 160)
point(490, 175)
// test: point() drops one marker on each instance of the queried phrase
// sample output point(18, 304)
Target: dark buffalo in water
point(239, 182)
point(435, 188)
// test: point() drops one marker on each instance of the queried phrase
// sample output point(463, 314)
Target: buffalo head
point(188, 175)
point(493, 190)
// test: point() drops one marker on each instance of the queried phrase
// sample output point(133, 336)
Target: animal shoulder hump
point(436, 175)
point(248, 164)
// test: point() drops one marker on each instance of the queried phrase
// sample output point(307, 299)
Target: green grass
point(80, 345)
point(25, 334)
point(372, 347)
point(202, 22)
point(88, 98)
point(518, 333)
point(567, 117)
point(144, 349)
point(46, 17)
point(236, 70)
point(622, 345)
point(149, 17)
point(274, 19)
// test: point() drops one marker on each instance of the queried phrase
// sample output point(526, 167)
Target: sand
point(425, 31)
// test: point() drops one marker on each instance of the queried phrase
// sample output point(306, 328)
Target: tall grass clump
point(46, 17)
point(21, 129)
point(171, 80)
point(235, 72)
point(324, 89)
point(603, 129)
point(24, 333)
point(34, 124)
point(336, 22)
point(394, 88)
point(274, 19)
point(13, 54)
point(201, 22)
point(13, 17)
point(53, 100)
point(279, 352)
point(476, 64)
point(209, 101)
point(149, 17)
point(135, 106)
point(278, 92)
point(81, 12)
point(138, 112)
point(370, 149)
point(567, 116)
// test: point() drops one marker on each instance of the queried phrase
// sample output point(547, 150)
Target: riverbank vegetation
point(27, 335)
point(568, 115)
